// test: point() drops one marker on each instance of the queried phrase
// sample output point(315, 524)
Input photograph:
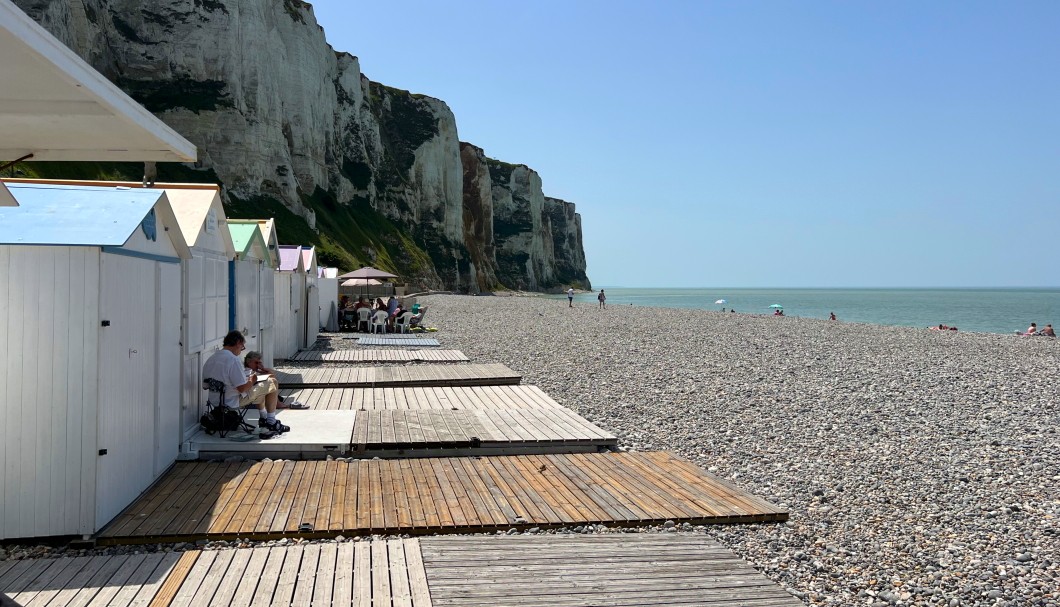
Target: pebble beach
point(920, 467)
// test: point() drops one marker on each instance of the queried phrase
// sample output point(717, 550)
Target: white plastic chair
point(402, 322)
point(364, 317)
point(379, 321)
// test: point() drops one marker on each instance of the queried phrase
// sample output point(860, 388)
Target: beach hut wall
point(251, 290)
point(289, 302)
point(90, 396)
point(204, 286)
point(312, 298)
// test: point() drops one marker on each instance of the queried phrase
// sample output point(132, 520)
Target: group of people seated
point(248, 383)
point(1033, 330)
point(390, 314)
point(943, 327)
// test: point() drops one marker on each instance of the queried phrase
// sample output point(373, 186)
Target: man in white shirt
point(570, 297)
point(225, 367)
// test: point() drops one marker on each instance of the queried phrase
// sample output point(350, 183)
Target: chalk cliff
point(293, 129)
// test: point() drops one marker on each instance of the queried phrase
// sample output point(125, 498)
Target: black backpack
point(221, 419)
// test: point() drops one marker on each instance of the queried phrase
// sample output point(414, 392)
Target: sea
point(981, 310)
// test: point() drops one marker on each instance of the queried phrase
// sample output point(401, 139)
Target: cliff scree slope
point(292, 129)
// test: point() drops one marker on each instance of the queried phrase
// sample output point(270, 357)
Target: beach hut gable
point(251, 290)
point(248, 241)
point(102, 324)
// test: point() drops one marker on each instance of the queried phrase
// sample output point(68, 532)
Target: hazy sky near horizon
point(756, 144)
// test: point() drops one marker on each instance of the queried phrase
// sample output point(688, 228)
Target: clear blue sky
point(756, 144)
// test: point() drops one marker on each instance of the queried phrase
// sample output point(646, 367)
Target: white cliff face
point(567, 242)
point(522, 231)
point(277, 114)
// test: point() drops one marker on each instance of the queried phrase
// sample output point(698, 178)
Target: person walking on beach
point(570, 297)
point(602, 299)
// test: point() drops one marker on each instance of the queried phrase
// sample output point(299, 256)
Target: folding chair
point(217, 411)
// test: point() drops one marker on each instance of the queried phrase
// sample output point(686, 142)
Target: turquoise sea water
point(981, 310)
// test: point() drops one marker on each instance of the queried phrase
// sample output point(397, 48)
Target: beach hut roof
point(268, 232)
point(291, 259)
point(55, 106)
point(309, 258)
point(191, 203)
point(81, 215)
point(246, 237)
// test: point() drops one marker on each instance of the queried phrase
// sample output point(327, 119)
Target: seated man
point(240, 389)
point(1048, 331)
point(254, 365)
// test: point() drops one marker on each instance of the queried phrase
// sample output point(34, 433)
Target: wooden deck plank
point(173, 581)
point(592, 570)
point(380, 355)
point(565, 570)
point(422, 494)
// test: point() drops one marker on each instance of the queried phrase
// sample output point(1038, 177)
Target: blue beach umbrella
point(777, 307)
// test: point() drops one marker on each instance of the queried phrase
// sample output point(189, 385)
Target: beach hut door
point(127, 390)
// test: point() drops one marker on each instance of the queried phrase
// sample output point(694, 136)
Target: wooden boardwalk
point(406, 375)
point(511, 429)
point(424, 398)
point(380, 356)
point(398, 341)
point(560, 570)
point(265, 500)
point(574, 571)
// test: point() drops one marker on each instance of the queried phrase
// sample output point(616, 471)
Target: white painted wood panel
point(47, 386)
point(168, 368)
point(285, 334)
point(194, 312)
point(268, 296)
point(311, 318)
point(247, 304)
point(127, 401)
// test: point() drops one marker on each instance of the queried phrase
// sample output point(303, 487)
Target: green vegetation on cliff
point(349, 235)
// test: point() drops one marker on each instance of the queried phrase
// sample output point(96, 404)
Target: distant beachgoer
point(733, 310)
point(602, 299)
point(778, 312)
point(1048, 331)
point(831, 316)
point(1032, 330)
point(570, 297)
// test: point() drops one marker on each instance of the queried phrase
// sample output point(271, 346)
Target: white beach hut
point(204, 284)
point(289, 301)
point(328, 288)
point(249, 296)
point(267, 284)
point(312, 298)
point(89, 292)
point(90, 386)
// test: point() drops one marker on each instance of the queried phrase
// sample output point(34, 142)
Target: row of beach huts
point(112, 295)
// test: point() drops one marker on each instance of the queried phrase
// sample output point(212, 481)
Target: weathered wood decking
point(459, 494)
point(424, 398)
point(406, 375)
point(510, 429)
point(380, 355)
point(399, 341)
point(615, 570)
point(562, 570)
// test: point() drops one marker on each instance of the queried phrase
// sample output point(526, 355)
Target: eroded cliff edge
point(293, 129)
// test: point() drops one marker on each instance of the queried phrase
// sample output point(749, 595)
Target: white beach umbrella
point(721, 301)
